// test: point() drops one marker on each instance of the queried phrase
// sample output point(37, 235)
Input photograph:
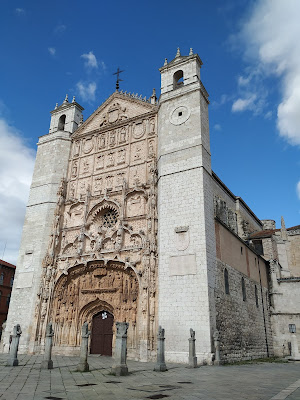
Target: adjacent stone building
point(127, 222)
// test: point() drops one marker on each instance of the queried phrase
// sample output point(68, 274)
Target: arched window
point(11, 281)
point(256, 296)
point(226, 281)
point(61, 122)
point(178, 79)
point(1, 278)
point(243, 289)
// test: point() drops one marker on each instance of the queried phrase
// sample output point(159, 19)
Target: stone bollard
point(192, 350)
point(13, 352)
point(120, 367)
point(47, 363)
point(160, 364)
point(217, 348)
point(83, 365)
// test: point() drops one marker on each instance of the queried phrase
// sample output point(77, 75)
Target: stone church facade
point(127, 222)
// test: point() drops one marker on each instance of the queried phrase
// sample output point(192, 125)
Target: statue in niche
point(152, 125)
point(110, 160)
point(137, 155)
point(151, 148)
point(100, 162)
point(101, 141)
point(80, 241)
point(109, 181)
point(99, 239)
point(119, 238)
point(120, 178)
point(98, 184)
point(112, 138)
point(82, 190)
point(136, 178)
point(121, 156)
point(74, 169)
point(86, 166)
point(123, 135)
point(76, 147)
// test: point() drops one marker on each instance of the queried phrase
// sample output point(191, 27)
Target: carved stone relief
point(108, 216)
point(88, 145)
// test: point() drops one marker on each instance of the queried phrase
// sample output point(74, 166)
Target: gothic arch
point(88, 289)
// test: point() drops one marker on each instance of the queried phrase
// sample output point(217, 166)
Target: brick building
point(7, 273)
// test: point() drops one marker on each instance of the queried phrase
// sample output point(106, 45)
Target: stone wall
point(244, 325)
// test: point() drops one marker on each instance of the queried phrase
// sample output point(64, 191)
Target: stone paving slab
point(261, 381)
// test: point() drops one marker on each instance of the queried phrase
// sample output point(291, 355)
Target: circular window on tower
point(109, 217)
point(179, 115)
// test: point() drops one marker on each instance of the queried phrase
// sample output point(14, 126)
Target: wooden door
point(102, 333)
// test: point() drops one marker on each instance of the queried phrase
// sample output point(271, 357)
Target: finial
point(178, 52)
point(66, 99)
point(166, 62)
point(73, 101)
point(191, 52)
point(283, 229)
point(153, 97)
point(56, 106)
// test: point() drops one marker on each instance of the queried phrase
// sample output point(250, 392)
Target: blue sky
point(251, 69)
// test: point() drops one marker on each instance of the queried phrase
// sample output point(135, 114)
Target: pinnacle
point(178, 52)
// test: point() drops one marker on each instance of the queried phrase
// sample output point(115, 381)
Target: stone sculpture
point(120, 366)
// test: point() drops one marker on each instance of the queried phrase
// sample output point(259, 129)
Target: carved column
point(83, 365)
point(217, 348)
point(120, 366)
point(160, 364)
point(192, 350)
point(13, 352)
point(47, 363)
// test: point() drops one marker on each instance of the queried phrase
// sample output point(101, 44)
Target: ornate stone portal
point(102, 253)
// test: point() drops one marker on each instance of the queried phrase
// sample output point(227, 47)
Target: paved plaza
point(265, 381)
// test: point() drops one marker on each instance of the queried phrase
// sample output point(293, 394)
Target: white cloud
point(87, 91)
point(247, 103)
point(298, 189)
point(217, 127)
point(20, 11)
point(52, 51)
point(270, 39)
point(90, 60)
point(16, 166)
point(60, 29)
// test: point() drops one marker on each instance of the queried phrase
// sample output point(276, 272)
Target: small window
point(61, 123)
point(256, 296)
point(241, 250)
point(226, 281)
point(11, 281)
point(1, 278)
point(243, 289)
point(8, 300)
point(178, 79)
point(0, 295)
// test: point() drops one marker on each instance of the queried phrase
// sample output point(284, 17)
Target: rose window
point(109, 218)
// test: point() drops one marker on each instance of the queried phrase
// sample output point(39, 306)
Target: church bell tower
point(186, 238)
point(50, 168)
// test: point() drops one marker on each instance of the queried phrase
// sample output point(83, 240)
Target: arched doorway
point(102, 333)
